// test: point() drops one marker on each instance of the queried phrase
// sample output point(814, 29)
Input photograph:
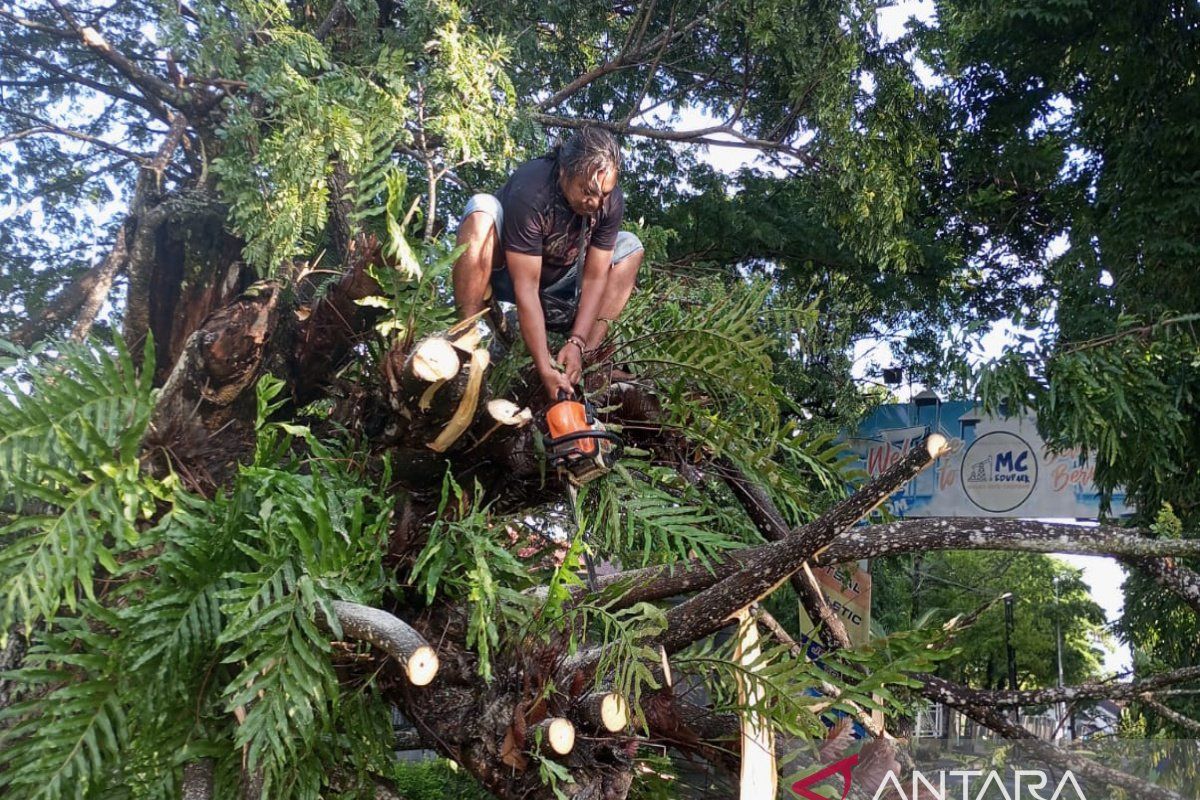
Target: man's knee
point(476, 230)
point(627, 246)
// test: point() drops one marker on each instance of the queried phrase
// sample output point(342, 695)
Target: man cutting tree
point(550, 241)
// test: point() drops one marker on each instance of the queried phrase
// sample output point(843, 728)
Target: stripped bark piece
point(426, 400)
point(468, 341)
point(465, 413)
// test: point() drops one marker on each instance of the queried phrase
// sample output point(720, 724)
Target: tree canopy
point(257, 488)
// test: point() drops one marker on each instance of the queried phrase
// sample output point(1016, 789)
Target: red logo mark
point(842, 768)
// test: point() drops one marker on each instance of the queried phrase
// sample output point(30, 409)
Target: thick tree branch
point(95, 41)
point(961, 698)
point(953, 533)
point(770, 523)
point(390, 634)
point(331, 21)
point(67, 303)
point(1113, 690)
point(198, 779)
point(1177, 578)
point(713, 608)
point(83, 299)
point(1169, 714)
point(702, 136)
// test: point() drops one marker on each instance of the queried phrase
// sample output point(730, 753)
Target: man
point(550, 241)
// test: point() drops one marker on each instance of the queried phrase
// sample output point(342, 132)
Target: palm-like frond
point(69, 476)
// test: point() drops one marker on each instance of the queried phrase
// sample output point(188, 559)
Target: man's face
point(586, 193)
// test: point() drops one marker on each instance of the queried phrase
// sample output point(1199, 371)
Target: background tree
point(1071, 173)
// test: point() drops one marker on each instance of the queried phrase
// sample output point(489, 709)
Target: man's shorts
point(565, 289)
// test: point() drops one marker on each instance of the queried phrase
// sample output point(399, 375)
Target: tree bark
point(1122, 690)
point(961, 698)
point(712, 609)
point(766, 517)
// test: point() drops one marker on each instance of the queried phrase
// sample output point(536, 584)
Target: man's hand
point(555, 382)
point(571, 358)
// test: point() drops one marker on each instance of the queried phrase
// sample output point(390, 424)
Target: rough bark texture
point(960, 698)
point(712, 608)
point(1115, 690)
point(910, 536)
point(766, 517)
point(1168, 713)
point(198, 779)
point(1175, 577)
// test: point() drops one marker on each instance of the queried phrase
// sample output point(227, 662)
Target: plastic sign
point(1000, 467)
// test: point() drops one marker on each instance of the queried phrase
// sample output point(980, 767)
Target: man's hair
point(587, 151)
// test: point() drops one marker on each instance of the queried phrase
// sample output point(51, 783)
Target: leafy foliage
point(71, 409)
point(217, 617)
point(464, 560)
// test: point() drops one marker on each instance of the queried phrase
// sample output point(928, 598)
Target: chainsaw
point(580, 450)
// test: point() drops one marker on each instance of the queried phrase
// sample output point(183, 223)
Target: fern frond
point(69, 732)
point(69, 475)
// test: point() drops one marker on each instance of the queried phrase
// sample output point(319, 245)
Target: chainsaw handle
point(562, 394)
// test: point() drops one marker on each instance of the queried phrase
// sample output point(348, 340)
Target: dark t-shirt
point(538, 221)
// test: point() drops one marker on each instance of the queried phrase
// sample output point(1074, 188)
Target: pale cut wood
point(427, 396)
point(390, 634)
point(506, 412)
point(465, 324)
point(759, 774)
point(435, 359)
point(605, 710)
point(556, 733)
point(465, 413)
point(469, 340)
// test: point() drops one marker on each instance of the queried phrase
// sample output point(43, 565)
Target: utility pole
point(1062, 706)
point(1012, 653)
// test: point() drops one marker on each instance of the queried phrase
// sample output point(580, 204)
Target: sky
point(1103, 575)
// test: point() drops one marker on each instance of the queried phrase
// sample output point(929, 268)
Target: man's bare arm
point(526, 271)
point(595, 275)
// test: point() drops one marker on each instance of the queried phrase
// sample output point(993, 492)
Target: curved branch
point(390, 634)
point(697, 136)
point(962, 699)
point(625, 59)
point(1087, 691)
point(1169, 714)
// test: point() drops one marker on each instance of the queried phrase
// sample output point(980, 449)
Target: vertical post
point(1012, 653)
point(1061, 705)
